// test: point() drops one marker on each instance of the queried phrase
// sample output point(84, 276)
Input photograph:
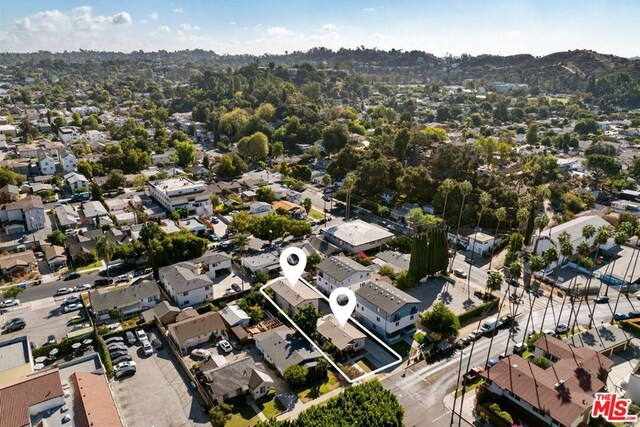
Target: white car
point(147, 348)
point(200, 353)
point(9, 303)
point(71, 307)
point(142, 335)
point(64, 291)
point(84, 287)
point(225, 346)
point(129, 364)
point(124, 278)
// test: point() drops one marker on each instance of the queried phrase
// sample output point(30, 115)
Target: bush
point(11, 292)
point(478, 311)
point(419, 337)
point(495, 409)
point(541, 362)
point(533, 338)
point(103, 352)
point(296, 375)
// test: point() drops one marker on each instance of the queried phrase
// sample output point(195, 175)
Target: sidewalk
point(300, 407)
point(468, 411)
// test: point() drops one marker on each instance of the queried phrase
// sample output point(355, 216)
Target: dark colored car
point(602, 299)
point(634, 314)
point(473, 375)
point(462, 343)
point(70, 276)
point(506, 321)
point(621, 316)
point(125, 358)
point(103, 282)
point(125, 372)
point(475, 336)
point(14, 325)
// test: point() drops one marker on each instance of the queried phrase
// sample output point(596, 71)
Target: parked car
point(124, 278)
point(155, 342)
point(562, 328)
point(71, 307)
point(9, 303)
point(72, 300)
point(115, 354)
point(225, 346)
point(214, 238)
point(113, 340)
point(491, 362)
point(512, 282)
point(141, 335)
point(476, 335)
point(519, 348)
point(490, 325)
point(115, 346)
point(64, 291)
point(131, 339)
point(460, 273)
point(502, 356)
point(14, 325)
point(83, 287)
point(126, 364)
point(215, 220)
point(102, 282)
point(71, 275)
point(125, 372)
point(621, 316)
point(634, 314)
point(124, 358)
point(602, 299)
point(506, 321)
point(462, 343)
point(147, 349)
point(473, 375)
point(200, 353)
point(236, 287)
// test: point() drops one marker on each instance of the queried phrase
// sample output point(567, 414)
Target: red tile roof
point(16, 398)
point(94, 404)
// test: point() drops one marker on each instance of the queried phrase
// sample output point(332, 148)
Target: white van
point(489, 325)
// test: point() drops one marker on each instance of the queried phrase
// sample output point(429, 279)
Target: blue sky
point(256, 27)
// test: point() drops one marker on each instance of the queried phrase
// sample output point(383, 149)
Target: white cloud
point(233, 23)
point(178, 10)
point(154, 16)
point(329, 27)
point(278, 31)
point(164, 28)
point(189, 27)
point(369, 9)
point(122, 18)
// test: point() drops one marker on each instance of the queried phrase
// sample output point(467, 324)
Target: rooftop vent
point(559, 384)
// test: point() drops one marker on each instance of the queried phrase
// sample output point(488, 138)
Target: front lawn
point(470, 387)
point(317, 389)
point(96, 264)
point(366, 365)
point(402, 348)
point(316, 214)
point(242, 415)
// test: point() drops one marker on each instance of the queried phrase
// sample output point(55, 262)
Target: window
point(412, 316)
point(397, 323)
point(377, 319)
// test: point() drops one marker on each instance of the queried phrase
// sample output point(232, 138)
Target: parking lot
point(158, 394)
point(437, 290)
point(43, 318)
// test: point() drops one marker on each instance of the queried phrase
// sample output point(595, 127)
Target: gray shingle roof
point(196, 326)
point(385, 297)
point(284, 348)
point(340, 267)
point(243, 374)
point(183, 277)
point(294, 295)
point(102, 300)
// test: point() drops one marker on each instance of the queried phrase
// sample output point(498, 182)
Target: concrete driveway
point(438, 290)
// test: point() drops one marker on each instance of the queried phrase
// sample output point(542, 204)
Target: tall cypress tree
point(418, 263)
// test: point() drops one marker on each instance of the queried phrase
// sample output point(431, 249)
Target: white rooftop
point(358, 232)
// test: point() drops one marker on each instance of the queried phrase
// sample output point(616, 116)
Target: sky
point(538, 27)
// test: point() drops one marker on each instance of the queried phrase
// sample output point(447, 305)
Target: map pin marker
point(292, 262)
point(342, 302)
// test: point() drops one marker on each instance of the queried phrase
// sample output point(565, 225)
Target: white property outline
point(325, 355)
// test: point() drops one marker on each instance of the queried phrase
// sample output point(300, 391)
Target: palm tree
point(550, 256)
point(522, 215)
point(566, 249)
point(105, 250)
point(465, 188)
point(347, 185)
point(631, 232)
point(240, 240)
point(494, 281)
point(501, 215)
point(540, 222)
point(306, 204)
point(602, 237)
point(447, 186)
point(537, 264)
point(583, 250)
point(485, 201)
point(515, 272)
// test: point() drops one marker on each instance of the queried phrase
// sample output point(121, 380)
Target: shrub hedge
point(476, 312)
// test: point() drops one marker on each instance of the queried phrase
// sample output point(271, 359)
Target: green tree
point(185, 153)
point(441, 320)
point(85, 168)
point(240, 222)
point(600, 166)
point(494, 281)
point(326, 179)
point(11, 292)
point(335, 137)
point(306, 318)
point(9, 177)
point(306, 204)
point(418, 261)
point(401, 144)
point(254, 147)
point(57, 238)
point(105, 249)
point(447, 186)
point(347, 186)
point(532, 134)
point(218, 417)
point(465, 188)
point(296, 375)
point(115, 179)
point(265, 194)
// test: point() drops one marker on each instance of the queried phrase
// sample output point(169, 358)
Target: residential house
point(259, 208)
point(94, 209)
point(186, 284)
point(293, 298)
point(18, 263)
point(24, 215)
point(606, 339)
point(233, 315)
point(27, 151)
point(282, 348)
point(46, 163)
point(130, 300)
point(574, 227)
point(214, 264)
point(17, 359)
point(193, 331)
point(397, 261)
point(341, 272)
point(69, 134)
point(9, 193)
point(240, 377)
point(481, 243)
point(54, 255)
point(317, 245)
point(193, 225)
point(8, 130)
point(76, 180)
point(346, 339)
point(93, 400)
point(163, 312)
point(68, 160)
point(626, 206)
point(561, 395)
point(95, 136)
point(174, 193)
point(357, 236)
point(33, 400)
point(399, 214)
point(267, 262)
point(388, 311)
point(80, 247)
point(163, 158)
point(67, 216)
point(293, 197)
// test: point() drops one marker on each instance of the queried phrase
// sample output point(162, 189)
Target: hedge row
point(101, 349)
point(495, 409)
point(478, 311)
